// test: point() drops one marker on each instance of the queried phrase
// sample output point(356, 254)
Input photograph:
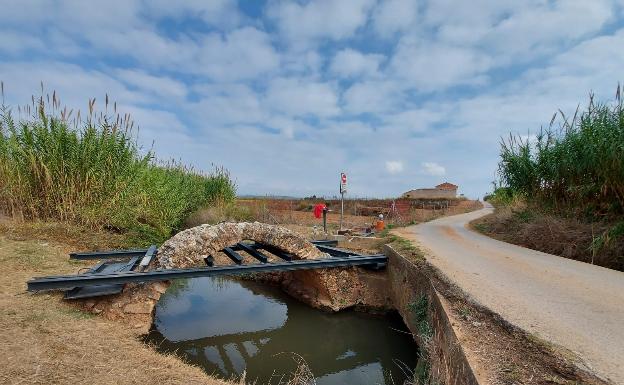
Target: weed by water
point(420, 311)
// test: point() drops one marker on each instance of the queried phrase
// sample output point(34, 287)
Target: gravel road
point(573, 304)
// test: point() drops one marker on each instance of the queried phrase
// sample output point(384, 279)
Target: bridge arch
point(189, 247)
point(135, 304)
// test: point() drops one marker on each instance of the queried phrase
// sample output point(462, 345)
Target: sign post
point(343, 190)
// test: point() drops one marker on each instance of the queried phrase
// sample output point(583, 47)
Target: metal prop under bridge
point(109, 276)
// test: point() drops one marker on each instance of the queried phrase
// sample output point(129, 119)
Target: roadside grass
point(57, 166)
point(576, 167)
point(402, 245)
point(568, 180)
point(567, 237)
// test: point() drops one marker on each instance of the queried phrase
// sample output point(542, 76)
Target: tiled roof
point(447, 186)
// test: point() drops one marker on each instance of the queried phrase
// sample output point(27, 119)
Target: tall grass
point(577, 167)
point(92, 172)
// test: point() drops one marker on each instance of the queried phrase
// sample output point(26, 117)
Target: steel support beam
point(108, 254)
point(335, 252)
point(70, 281)
point(277, 252)
point(253, 252)
point(147, 259)
point(234, 256)
point(325, 242)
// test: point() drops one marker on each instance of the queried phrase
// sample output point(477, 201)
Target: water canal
point(229, 326)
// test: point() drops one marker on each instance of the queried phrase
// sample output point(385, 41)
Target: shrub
point(93, 173)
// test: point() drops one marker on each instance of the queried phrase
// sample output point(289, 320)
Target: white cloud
point(13, 43)
point(159, 85)
point(413, 121)
point(351, 63)
point(296, 80)
point(242, 54)
point(302, 97)
point(215, 12)
point(543, 27)
point(394, 166)
point(393, 16)
point(432, 168)
point(302, 63)
point(372, 97)
point(22, 79)
point(516, 32)
point(301, 23)
point(431, 66)
point(222, 105)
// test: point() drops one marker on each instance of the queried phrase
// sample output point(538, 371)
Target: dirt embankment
point(48, 341)
point(566, 237)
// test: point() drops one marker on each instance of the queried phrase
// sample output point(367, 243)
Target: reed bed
point(55, 165)
point(577, 167)
point(574, 169)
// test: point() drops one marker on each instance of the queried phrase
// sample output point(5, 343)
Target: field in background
point(359, 213)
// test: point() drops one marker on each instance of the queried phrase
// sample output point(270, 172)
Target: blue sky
point(286, 95)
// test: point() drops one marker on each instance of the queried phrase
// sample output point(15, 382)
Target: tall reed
point(577, 167)
point(91, 171)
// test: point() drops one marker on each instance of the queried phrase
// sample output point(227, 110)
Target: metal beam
point(253, 252)
point(336, 252)
point(325, 242)
point(277, 252)
point(149, 255)
point(234, 256)
point(103, 267)
point(108, 254)
point(70, 281)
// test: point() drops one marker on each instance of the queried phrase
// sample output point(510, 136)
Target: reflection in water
point(228, 327)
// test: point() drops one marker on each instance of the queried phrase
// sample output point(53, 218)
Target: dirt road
point(572, 304)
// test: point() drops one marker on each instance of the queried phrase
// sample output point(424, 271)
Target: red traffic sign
point(343, 183)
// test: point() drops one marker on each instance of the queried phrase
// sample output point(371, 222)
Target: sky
point(286, 95)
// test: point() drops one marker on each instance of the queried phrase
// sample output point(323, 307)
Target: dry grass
point(47, 341)
point(567, 237)
point(294, 212)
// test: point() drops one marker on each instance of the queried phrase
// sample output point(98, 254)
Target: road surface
point(573, 304)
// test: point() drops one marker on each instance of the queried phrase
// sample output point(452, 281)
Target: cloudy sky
point(286, 95)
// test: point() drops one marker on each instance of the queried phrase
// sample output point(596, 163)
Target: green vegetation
point(573, 171)
point(93, 173)
point(401, 245)
point(578, 167)
point(420, 310)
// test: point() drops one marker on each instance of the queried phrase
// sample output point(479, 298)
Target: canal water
point(229, 326)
